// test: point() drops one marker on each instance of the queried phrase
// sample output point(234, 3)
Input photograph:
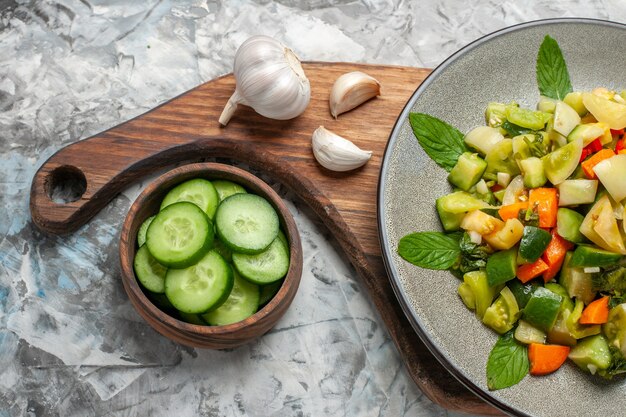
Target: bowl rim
point(127, 249)
point(392, 273)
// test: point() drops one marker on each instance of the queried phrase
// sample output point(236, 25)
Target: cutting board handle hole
point(66, 184)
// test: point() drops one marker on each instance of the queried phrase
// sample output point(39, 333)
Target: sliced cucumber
point(179, 235)
point(200, 287)
point(246, 223)
point(575, 192)
point(468, 170)
point(530, 119)
point(150, 273)
point(575, 101)
point(143, 229)
point(533, 171)
point(226, 188)
point(199, 191)
point(483, 138)
point(587, 131)
point(565, 119)
point(265, 267)
point(242, 302)
point(568, 225)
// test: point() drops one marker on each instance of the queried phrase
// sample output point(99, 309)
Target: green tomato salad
point(535, 227)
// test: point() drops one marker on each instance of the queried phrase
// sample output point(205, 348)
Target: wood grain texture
point(186, 129)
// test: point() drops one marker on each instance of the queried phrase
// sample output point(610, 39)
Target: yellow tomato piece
point(600, 226)
point(480, 222)
point(506, 237)
point(605, 110)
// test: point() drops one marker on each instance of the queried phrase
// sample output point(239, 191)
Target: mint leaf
point(552, 76)
point(442, 142)
point(507, 364)
point(431, 250)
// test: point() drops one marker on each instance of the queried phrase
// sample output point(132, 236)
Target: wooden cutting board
point(186, 129)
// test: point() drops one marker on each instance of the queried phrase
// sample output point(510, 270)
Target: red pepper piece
point(595, 146)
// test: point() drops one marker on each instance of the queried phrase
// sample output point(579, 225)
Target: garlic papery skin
point(270, 79)
point(336, 153)
point(351, 90)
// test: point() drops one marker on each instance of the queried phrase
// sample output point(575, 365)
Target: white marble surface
point(70, 342)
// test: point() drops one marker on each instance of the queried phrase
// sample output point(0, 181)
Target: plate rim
point(392, 273)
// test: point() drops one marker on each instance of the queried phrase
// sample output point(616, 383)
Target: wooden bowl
point(213, 337)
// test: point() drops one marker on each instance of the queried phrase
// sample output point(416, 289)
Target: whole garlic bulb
point(270, 79)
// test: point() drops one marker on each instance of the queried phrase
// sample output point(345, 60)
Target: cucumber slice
point(198, 191)
point(246, 223)
point(468, 170)
point(459, 202)
point(527, 333)
point(575, 101)
point(150, 273)
point(530, 119)
point(546, 104)
point(533, 172)
point(501, 267)
point(226, 188)
point(576, 281)
point(534, 241)
point(483, 138)
point(542, 309)
point(591, 354)
point(200, 287)
point(575, 192)
point(495, 114)
point(522, 292)
point(265, 267)
point(242, 302)
point(568, 225)
point(586, 255)
point(587, 131)
point(143, 229)
point(179, 235)
point(565, 118)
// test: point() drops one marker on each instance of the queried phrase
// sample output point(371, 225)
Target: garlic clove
point(351, 90)
point(336, 153)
